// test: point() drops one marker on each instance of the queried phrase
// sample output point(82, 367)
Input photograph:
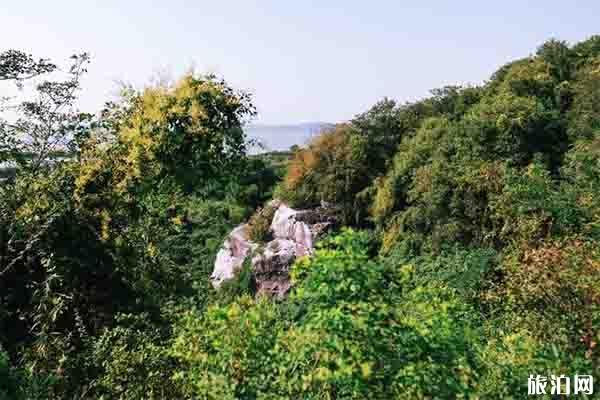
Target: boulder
point(232, 255)
point(294, 233)
point(271, 266)
point(287, 224)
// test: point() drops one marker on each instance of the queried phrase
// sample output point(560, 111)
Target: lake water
point(282, 137)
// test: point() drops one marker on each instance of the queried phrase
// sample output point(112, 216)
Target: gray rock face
point(294, 233)
point(271, 267)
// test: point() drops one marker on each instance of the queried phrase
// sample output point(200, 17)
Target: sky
point(302, 60)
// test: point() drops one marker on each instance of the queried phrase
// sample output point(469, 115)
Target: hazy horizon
point(280, 137)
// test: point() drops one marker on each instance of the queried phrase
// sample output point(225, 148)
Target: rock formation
point(232, 255)
point(294, 233)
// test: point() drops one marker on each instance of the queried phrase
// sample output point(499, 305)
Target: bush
point(553, 285)
point(226, 350)
point(8, 382)
point(259, 225)
point(508, 358)
point(135, 362)
point(330, 169)
point(532, 207)
point(468, 271)
point(21, 384)
point(353, 328)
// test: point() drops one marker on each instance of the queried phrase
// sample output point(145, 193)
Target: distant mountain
point(282, 137)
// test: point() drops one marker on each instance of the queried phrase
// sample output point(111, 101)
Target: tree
point(18, 66)
point(558, 55)
point(190, 132)
point(48, 125)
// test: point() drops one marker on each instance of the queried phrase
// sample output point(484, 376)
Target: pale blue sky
point(303, 60)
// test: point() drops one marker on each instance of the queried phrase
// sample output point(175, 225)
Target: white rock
point(293, 232)
point(283, 222)
point(276, 257)
point(286, 226)
point(231, 256)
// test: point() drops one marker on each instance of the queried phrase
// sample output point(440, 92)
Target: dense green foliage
point(470, 257)
point(101, 251)
point(492, 192)
point(337, 336)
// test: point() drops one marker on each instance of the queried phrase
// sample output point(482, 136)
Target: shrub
point(353, 328)
point(508, 358)
point(8, 382)
point(135, 362)
point(259, 225)
point(329, 169)
point(532, 206)
point(554, 285)
point(465, 270)
point(226, 351)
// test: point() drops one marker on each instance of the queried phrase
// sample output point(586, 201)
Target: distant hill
point(282, 137)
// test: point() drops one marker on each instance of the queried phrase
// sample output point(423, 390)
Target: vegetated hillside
point(469, 259)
